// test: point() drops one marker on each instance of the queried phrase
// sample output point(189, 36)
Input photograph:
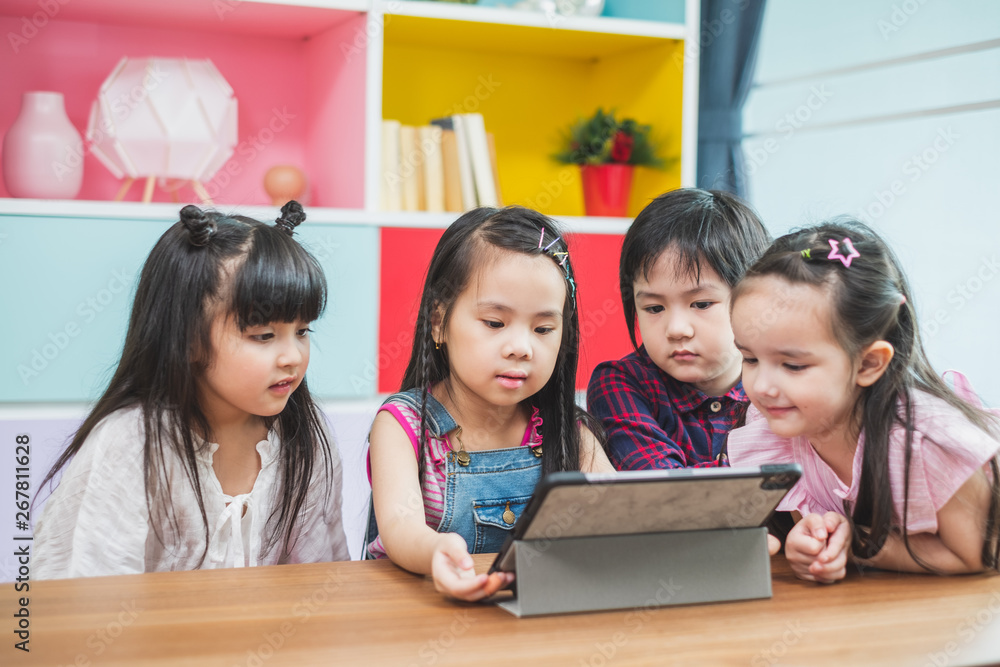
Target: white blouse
point(97, 521)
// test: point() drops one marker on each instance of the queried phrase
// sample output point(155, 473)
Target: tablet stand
point(639, 571)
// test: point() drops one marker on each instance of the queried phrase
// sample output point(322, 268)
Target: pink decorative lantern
point(166, 118)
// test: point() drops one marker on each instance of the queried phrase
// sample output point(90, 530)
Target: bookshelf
point(528, 95)
point(314, 78)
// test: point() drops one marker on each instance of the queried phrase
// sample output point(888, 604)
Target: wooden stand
point(147, 192)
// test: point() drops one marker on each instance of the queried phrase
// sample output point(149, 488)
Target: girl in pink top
point(900, 470)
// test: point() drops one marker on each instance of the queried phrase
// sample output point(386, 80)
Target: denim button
point(508, 516)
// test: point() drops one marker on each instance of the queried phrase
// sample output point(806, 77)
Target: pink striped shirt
point(947, 451)
point(434, 481)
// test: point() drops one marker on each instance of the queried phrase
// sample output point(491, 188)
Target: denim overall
point(482, 500)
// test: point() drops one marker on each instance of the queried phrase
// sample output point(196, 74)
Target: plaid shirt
point(655, 421)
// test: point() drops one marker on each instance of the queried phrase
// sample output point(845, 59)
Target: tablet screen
point(572, 504)
point(691, 503)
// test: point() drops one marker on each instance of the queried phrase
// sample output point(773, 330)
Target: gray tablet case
point(644, 539)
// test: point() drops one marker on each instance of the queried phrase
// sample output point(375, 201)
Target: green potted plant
point(607, 150)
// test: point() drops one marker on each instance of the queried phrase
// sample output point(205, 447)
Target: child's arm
point(96, 522)
point(958, 546)
point(592, 456)
point(636, 441)
point(399, 505)
point(399, 510)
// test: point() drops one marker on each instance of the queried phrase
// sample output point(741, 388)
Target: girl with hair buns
point(900, 469)
point(206, 450)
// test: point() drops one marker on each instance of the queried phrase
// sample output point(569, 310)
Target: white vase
point(42, 151)
point(571, 7)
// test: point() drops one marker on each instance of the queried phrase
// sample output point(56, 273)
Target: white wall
point(889, 110)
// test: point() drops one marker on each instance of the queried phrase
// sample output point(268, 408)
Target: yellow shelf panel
point(527, 101)
point(647, 85)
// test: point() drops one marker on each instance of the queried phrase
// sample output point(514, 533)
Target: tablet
point(575, 504)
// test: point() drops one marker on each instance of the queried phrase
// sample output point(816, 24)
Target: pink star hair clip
point(835, 252)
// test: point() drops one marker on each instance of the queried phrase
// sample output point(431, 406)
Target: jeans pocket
point(494, 520)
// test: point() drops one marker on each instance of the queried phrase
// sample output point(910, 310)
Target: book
point(491, 140)
point(409, 168)
point(479, 153)
point(390, 184)
point(452, 176)
point(466, 179)
point(430, 144)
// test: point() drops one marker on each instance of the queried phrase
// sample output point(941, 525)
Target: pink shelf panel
point(300, 101)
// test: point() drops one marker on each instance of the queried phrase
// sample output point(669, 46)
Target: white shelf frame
point(168, 212)
point(689, 105)
point(514, 17)
point(342, 5)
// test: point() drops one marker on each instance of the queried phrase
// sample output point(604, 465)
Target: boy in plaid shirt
point(672, 402)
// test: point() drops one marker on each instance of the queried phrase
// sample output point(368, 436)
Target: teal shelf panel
point(68, 288)
point(342, 361)
point(669, 11)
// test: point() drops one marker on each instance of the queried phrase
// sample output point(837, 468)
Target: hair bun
point(199, 225)
point(291, 217)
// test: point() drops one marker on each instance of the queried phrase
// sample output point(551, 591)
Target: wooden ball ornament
point(283, 183)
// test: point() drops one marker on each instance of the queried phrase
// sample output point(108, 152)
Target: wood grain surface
point(373, 613)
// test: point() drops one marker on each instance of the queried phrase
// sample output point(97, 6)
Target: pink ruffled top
point(947, 449)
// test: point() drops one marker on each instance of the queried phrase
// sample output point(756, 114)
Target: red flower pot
point(606, 189)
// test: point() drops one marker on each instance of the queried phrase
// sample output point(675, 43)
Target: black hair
point(464, 247)
point(210, 265)
point(871, 302)
point(701, 225)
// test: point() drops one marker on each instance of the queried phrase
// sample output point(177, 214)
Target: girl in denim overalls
point(487, 403)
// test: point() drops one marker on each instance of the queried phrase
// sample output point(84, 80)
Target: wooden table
point(362, 613)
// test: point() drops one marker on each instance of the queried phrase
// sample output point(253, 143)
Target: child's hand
point(831, 564)
point(773, 544)
point(816, 547)
point(453, 573)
